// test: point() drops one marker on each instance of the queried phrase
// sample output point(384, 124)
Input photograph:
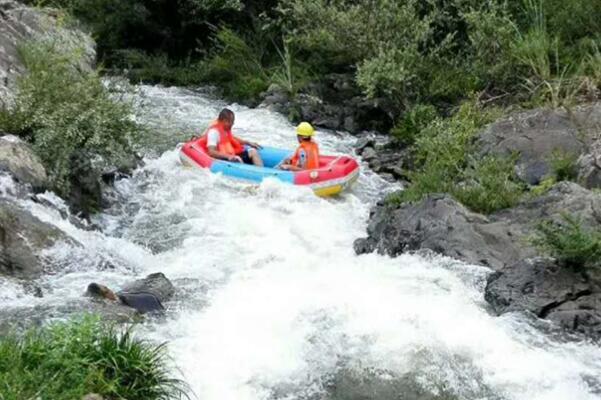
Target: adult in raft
point(223, 145)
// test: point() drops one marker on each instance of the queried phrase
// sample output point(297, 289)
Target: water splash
point(272, 303)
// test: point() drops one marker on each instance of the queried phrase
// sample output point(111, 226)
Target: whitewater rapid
point(273, 303)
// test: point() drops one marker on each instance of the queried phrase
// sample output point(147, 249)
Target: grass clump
point(64, 109)
point(569, 242)
point(68, 360)
point(563, 166)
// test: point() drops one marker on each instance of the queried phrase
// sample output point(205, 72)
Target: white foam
point(288, 304)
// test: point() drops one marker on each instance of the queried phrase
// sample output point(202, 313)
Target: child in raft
point(306, 155)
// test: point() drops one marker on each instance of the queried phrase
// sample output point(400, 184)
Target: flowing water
point(272, 302)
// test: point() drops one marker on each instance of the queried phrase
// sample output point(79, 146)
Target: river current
point(272, 302)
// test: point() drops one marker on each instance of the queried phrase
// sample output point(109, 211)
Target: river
point(273, 303)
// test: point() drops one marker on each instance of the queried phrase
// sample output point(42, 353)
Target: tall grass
point(551, 77)
point(67, 360)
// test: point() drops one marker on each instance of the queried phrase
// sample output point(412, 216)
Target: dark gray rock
point(441, 224)
point(334, 103)
point(570, 298)
point(589, 166)
point(17, 158)
point(19, 23)
point(537, 134)
point(23, 238)
point(156, 284)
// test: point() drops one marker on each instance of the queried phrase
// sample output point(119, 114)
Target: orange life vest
point(227, 142)
point(311, 151)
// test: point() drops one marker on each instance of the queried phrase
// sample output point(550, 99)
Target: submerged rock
point(23, 238)
point(17, 158)
point(143, 295)
point(537, 136)
point(566, 296)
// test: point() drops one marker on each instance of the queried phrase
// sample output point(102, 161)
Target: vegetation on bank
point(569, 242)
point(444, 67)
point(446, 161)
point(410, 52)
point(67, 360)
point(66, 111)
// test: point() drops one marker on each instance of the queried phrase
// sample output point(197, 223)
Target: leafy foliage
point(413, 122)
point(65, 109)
point(68, 360)
point(569, 242)
point(443, 154)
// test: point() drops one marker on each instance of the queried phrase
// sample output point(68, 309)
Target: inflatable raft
point(335, 173)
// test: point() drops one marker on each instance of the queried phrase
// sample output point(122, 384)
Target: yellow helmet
point(305, 129)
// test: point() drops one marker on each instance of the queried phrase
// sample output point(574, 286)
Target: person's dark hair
point(226, 115)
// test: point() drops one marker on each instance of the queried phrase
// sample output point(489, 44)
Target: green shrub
point(413, 123)
point(64, 110)
point(543, 187)
point(563, 166)
point(489, 184)
point(237, 66)
point(68, 360)
point(569, 242)
point(445, 164)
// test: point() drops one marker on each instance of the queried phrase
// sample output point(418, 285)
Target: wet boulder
point(538, 136)
point(569, 297)
point(18, 159)
point(156, 283)
point(441, 224)
point(23, 239)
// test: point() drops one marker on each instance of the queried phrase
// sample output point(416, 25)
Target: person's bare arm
point(248, 143)
point(222, 156)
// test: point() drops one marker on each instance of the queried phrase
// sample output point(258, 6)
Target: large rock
point(570, 298)
point(536, 135)
point(23, 238)
point(18, 24)
point(17, 158)
point(441, 224)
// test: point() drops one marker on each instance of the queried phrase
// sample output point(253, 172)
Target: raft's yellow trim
point(328, 191)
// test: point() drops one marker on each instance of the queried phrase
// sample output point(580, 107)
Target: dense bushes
point(411, 52)
point(71, 359)
point(65, 110)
